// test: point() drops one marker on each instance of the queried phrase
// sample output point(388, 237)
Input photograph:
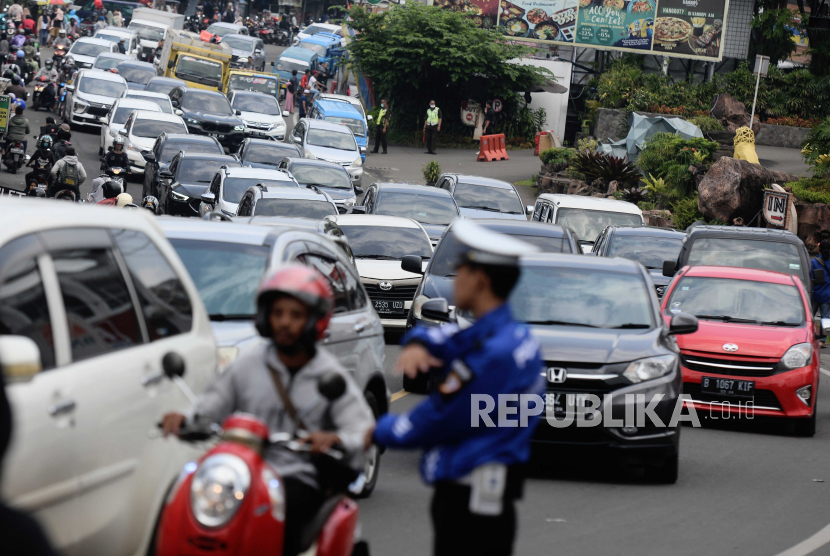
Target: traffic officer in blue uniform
point(476, 471)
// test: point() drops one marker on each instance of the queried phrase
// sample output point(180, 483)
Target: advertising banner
point(484, 13)
point(5, 101)
point(679, 28)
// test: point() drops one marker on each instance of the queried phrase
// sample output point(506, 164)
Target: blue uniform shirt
point(503, 358)
point(821, 292)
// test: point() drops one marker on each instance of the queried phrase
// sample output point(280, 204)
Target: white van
point(586, 216)
point(92, 299)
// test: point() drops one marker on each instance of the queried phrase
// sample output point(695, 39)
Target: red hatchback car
point(756, 349)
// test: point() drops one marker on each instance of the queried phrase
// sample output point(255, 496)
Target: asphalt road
point(747, 488)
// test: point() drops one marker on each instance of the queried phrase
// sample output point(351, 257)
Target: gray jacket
point(56, 169)
point(247, 386)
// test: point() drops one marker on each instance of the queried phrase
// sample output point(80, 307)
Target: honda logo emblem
point(730, 347)
point(385, 286)
point(557, 374)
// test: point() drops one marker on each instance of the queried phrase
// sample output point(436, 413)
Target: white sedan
point(141, 131)
point(260, 113)
point(121, 110)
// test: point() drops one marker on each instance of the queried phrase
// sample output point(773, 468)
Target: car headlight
point(225, 356)
point(192, 121)
point(349, 202)
point(800, 355)
point(279, 125)
point(218, 489)
point(357, 163)
point(649, 368)
point(79, 106)
point(239, 128)
point(179, 196)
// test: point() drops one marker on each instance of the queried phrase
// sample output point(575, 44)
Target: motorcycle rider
point(41, 162)
point(18, 129)
point(116, 158)
point(19, 39)
point(29, 51)
point(150, 203)
point(17, 88)
point(49, 92)
point(48, 71)
point(68, 173)
point(62, 40)
point(51, 129)
point(62, 142)
point(276, 380)
point(110, 190)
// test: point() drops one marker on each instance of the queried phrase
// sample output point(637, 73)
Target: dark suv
point(759, 248)
point(209, 113)
point(166, 147)
point(189, 175)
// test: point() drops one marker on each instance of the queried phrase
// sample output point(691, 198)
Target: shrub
point(706, 123)
point(605, 167)
point(586, 144)
point(812, 190)
point(633, 194)
point(793, 121)
point(816, 149)
point(685, 212)
point(432, 171)
point(557, 156)
point(668, 157)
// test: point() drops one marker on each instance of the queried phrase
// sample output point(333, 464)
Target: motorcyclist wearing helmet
point(41, 162)
point(48, 71)
point(29, 51)
point(111, 190)
point(35, 191)
point(62, 40)
point(116, 158)
point(150, 203)
point(62, 143)
point(19, 39)
point(66, 73)
point(293, 309)
point(18, 129)
point(17, 88)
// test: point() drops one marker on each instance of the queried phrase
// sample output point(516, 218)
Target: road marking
point(825, 371)
point(398, 395)
point(812, 544)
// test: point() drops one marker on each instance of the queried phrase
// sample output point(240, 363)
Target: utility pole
point(761, 68)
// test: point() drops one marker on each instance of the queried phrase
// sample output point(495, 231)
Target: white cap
point(487, 247)
point(123, 199)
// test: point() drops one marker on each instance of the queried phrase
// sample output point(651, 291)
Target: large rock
point(813, 224)
point(735, 189)
point(661, 218)
point(732, 113)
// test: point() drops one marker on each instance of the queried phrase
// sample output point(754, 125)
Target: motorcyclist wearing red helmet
point(294, 307)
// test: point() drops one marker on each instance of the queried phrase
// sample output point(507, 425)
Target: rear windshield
point(172, 148)
point(588, 224)
point(200, 171)
point(88, 49)
point(649, 251)
point(105, 62)
point(352, 123)
point(386, 242)
point(135, 74)
point(297, 208)
point(308, 174)
point(163, 103)
point(289, 64)
point(318, 48)
point(746, 253)
point(234, 188)
point(201, 70)
point(250, 83)
point(483, 197)
point(426, 209)
point(744, 301)
point(146, 127)
point(161, 87)
point(259, 104)
point(270, 153)
point(92, 86)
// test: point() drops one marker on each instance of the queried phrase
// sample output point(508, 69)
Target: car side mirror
point(19, 358)
point(412, 263)
point(436, 309)
point(331, 386)
point(170, 64)
point(825, 326)
point(669, 268)
point(296, 139)
point(362, 150)
point(239, 112)
point(149, 156)
point(369, 118)
point(208, 198)
point(166, 174)
point(819, 277)
point(358, 209)
point(273, 64)
point(173, 365)
point(342, 210)
point(285, 113)
point(530, 209)
point(682, 323)
point(358, 190)
point(70, 88)
point(122, 132)
point(178, 112)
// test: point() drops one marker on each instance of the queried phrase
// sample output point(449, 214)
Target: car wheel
point(666, 473)
point(806, 427)
point(371, 468)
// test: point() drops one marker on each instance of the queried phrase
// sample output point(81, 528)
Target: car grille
point(397, 293)
point(728, 367)
point(762, 398)
point(221, 128)
point(579, 377)
point(96, 109)
point(255, 125)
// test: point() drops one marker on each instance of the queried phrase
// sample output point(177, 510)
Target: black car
point(438, 277)
point(209, 113)
point(189, 175)
point(164, 84)
point(166, 147)
point(136, 74)
point(325, 176)
point(264, 153)
point(760, 248)
point(432, 208)
point(647, 245)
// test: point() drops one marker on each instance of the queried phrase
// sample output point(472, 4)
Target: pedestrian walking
point(476, 469)
point(489, 117)
point(432, 126)
point(384, 117)
point(304, 80)
point(821, 292)
point(43, 28)
point(305, 103)
point(290, 91)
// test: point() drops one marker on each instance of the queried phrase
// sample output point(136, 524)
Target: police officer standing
point(432, 126)
point(476, 471)
point(382, 124)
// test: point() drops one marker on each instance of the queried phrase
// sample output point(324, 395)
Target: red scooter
point(231, 501)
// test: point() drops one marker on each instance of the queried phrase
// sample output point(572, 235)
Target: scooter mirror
point(331, 386)
point(173, 365)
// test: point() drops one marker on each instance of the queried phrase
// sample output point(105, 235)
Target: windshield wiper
point(379, 257)
point(631, 325)
point(780, 323)
point(513, 212)
point(653, 267)
point(219, 317)
point(561, 322)
point(481, 207)
point(726, 318)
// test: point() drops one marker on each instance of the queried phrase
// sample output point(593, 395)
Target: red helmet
point(304, 284)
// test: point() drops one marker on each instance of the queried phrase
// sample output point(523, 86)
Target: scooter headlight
point(218, 489)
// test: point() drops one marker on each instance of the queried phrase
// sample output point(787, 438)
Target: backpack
point(69, 174)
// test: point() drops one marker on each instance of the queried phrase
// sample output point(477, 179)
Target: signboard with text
point(5, 102)
point(775, 207)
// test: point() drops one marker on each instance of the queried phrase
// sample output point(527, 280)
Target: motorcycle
point(15, 156)
point(61, 100)
point(41, 84)
point(281, 37)
point(267, 35)
point(59, 55)
point(232, 497)
point(118, 175)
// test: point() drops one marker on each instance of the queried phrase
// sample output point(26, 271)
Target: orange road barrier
point(492, 148)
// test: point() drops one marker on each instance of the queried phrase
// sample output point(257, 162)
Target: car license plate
point(17, 151)
point(728, 387)
point(559, 402)
point(389, 307)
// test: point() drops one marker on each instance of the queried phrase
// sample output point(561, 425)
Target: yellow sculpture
point(745, 145)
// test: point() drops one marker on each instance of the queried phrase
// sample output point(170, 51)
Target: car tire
point(806, 427)
point(667, 472)
point(371, 469)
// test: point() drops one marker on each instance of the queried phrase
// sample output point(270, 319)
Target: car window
point(268, 153)
point(298, 208)
point(650, 251)
point(426, 209)
point(746, 253)
point(587, 224)
point(235, 188)
point(331, 139)
point(386, 242)
point(483, 197)
point(172, 148)
point(164, 301)
point(146, 127)
point(23, 308)
point(334, 274)
point(112, 89)
point(99, 310)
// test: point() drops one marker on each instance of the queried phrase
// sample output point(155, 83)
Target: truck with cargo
point(151, 25)
point(202, 65)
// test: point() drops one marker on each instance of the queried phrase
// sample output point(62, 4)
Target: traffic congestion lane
point(746, 488)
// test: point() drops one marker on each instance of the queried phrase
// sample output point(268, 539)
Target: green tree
point(415, 53)
point(772, 35)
